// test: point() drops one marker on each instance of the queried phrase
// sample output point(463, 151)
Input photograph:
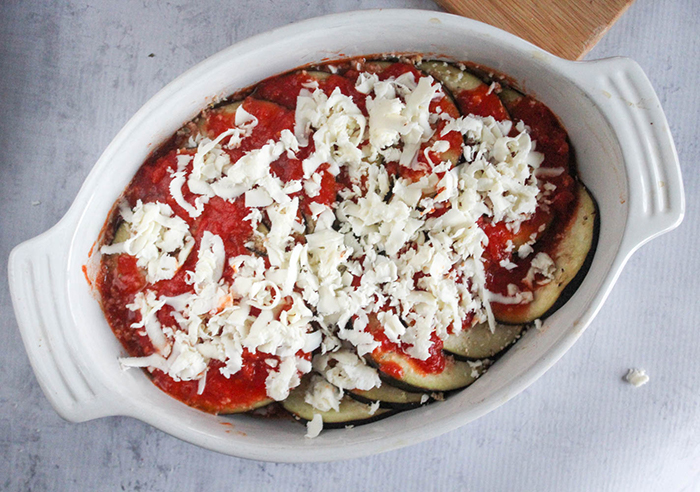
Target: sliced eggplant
point(390, 397)
point(318, 75)
point(453, 78)
point(257, 244)
point(510, 96)
point(351, 411)
point(376, 66)
point(472, 95)
point(572, 257)
point(397, 369)
point(478, 342)
point(226, 108)
point(122, 234)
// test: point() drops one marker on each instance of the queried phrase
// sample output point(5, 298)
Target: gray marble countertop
point(72, 73)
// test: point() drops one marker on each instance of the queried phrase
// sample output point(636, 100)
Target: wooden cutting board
point(566, 28)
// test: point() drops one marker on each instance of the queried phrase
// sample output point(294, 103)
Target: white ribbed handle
point(655, 189)
point(38, 284)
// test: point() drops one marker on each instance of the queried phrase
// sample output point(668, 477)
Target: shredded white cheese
point(346, 370)
point(542, 264)
point(314, 426)
point(160, 241)
point(637, 377)
point(322, 395)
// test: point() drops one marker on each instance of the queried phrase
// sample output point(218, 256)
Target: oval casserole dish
point(625, 156)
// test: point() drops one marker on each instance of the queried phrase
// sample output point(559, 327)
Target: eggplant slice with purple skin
point(478, 342)
point(350, 412)
point(390, 397)
point(457, 374)
point(572, 257)
point(453, 78)
point(467, 90)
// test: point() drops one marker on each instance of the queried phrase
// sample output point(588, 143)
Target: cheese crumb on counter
point(637, 377)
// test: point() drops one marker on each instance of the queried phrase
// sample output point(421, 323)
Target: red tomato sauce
point(284, 90)
point(392, 369)
point(482, 101)
point(240, 391)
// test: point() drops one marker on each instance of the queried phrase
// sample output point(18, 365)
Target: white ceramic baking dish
point(625, 154)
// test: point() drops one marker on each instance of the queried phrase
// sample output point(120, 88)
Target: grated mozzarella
point(346, 370)
point(314, 426)
point(160, 241)
point(148, 306)
point(279, 382)
point(542, 264)
point(322, 395)
point(637, 377)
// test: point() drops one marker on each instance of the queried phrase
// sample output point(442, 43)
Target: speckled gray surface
point(72, 73)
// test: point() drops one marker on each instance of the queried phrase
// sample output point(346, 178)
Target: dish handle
point(624, 94)
point(39, 289)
